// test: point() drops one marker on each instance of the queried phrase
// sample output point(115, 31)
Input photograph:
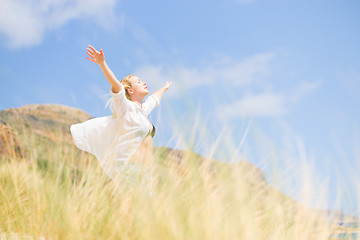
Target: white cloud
point(235, 75)
point(248, 70)
point(24, 22)
point(267, 104)
point(264, 104)
point(226, 71)
point(302, 89)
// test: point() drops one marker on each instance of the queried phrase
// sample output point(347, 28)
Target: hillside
point(49, 121)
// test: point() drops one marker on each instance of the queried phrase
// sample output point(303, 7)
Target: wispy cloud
point(234, 75)
point(225, 71)
point(303, 89)
point(264, 104)
point(25, 22)
point(267, 104)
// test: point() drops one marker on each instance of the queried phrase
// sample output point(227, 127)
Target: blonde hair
point(127, 84)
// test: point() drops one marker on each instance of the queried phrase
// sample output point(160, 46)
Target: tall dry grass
point(59, 192)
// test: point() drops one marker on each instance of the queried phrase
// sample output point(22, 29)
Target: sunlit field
point(60, 192)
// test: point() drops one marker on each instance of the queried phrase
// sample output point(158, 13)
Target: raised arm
point(161, 91)
point(154, 99)
point(99, 58)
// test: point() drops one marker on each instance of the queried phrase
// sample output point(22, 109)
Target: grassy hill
point(51, 189)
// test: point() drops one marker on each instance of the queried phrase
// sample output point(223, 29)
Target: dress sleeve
point(120, 102)
point(150, 103)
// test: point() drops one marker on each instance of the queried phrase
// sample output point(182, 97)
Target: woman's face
point(138, 87)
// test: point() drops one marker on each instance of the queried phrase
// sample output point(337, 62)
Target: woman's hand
point(96, 57)
point(99, 58)
point(167, 85)
point(161, 91)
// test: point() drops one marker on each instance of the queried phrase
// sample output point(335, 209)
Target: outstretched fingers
point(91, 59)
point(167, 85)
point(90, 54)
point(94, 55)
point(93, 49)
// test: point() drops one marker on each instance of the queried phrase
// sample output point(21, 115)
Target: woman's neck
point(138, 100)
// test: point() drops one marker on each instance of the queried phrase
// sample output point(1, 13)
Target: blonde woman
point(123, 142)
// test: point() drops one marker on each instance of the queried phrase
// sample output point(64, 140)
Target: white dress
point(114, 139)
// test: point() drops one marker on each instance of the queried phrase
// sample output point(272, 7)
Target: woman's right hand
point(167, 85)
point(95, 56)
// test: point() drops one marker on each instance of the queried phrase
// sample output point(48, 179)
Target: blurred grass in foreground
point(59, 192)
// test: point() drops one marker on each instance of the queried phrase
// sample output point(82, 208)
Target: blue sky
point(274, 82)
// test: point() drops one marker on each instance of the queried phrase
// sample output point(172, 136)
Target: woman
point(123, 142)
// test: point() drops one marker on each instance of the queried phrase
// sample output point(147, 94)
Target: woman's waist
point(135, 167)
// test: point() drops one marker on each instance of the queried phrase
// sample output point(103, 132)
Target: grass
point(59, 192)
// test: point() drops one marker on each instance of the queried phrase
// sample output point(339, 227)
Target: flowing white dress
point(114, 139)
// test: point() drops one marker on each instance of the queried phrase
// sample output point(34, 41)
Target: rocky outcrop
point(44, 120)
